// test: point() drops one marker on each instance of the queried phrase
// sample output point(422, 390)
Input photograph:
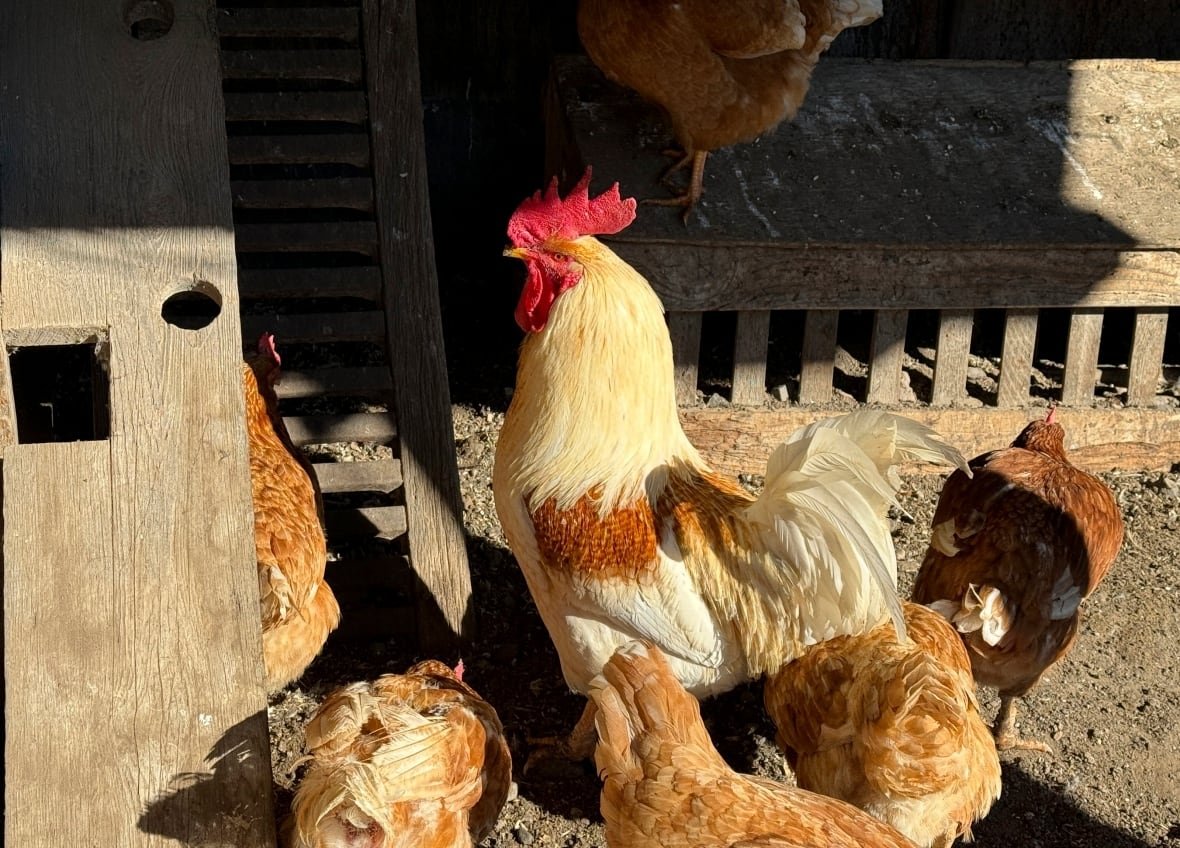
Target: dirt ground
point(1111, 709)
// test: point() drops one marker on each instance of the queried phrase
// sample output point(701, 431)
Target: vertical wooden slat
point(749, 357)
point(1147, 355)
point(434, 508)
point(819, 355)
point(950, 360)
point(1081, 357)
point(685, 330)
point(1020, 336)
point(887, 355)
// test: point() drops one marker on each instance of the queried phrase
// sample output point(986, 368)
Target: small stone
point(716, 400)
point(974, 372)
point(523, 835)
point(513, 791)
point(780, 393)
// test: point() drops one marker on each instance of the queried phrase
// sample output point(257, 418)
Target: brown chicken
point(890, 727)
point(621, 528)
point(1013, 553)
point(665, 784)
point(724, 72)
point(414, 760)
point(298, 608)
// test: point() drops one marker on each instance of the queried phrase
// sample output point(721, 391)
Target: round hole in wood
point(194, 307)
point(148, 19)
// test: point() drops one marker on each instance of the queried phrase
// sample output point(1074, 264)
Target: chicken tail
point(639, 698)
point(984, 609)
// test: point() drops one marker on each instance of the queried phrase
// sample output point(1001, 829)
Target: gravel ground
point(1111, 709)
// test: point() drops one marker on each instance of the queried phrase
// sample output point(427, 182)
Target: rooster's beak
point(516, 252)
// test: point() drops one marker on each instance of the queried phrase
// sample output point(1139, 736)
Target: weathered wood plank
point(415, 342)
point(1020, 336)
point(337, 148)
point(289, 22)
point(1051, 138)
point(692, 275)
point(347, 107)
point(950, 359)
point(339, 193)
point(8, 432)
point(143, 639)
point(319, 237)
point(361, 281)
point(1081, 357)
point(818, 356)
point(1147, 354)
point(749, 357)
point(367, 522)
point(380, 475)
point(378, 427)
point(317, 65)
point(317, 327)
point(684, 328)
point(346, 380)
point(887, 355)
point(741, 441)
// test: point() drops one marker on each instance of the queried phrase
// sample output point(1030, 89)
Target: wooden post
point(434, 508)
point(950, 360)
point(685, 331)
point(749, 357)
point(135, 711)
point(887, 355)
point(819, 355)
point(1020, 337)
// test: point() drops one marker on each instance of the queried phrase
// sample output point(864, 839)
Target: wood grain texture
point(289, 22)
point(741, 441)
point(886, 355)
point(414, 328)
point(950, 359)
point(7, 405)
point(818, 355)
point(1147, 355)
point(1020, 336)
point(684, 328)
point(141, 644)
point(1081, 357)
point(749, 357)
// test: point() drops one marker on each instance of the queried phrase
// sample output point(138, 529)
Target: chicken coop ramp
point(134, 707)
point(335, 255)
point(961, 241)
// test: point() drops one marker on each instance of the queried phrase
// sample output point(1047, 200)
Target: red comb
point(541, 217)
point(266, 346)
point(459, 669)
point(1050, 416)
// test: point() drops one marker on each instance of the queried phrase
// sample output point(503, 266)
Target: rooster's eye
point(562, 257)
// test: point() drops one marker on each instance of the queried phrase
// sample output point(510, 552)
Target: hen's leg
point(579, 745)
point(682, 157)
point(1004, 730)
point(695, 187)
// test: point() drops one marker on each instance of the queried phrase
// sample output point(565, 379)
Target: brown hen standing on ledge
point(891, 727)
point(663, 782)
point(724, 72)
point(298, 608)
point(1013, 553)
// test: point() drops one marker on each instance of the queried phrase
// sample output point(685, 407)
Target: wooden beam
point(740, 441)
point(685, 331)
point(434, 509)
point(749, 357)
point(950, 359)
point(289, 22)
point(818, 356)
point(130, 594)
point(887, 355)
point(1147, 356)
point(1020, 336)
point(1081, 357)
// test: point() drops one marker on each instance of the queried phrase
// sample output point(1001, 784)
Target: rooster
point(724, 72)
point(414, 760)
point(1013, 552)
point(621, 529)
point(892, 727)
point(297, 605)
point(665, 784)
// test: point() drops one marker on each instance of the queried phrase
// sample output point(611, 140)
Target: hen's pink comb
point(544, 216)
point(1052, 413)
point(266, 346)
point(459, 669)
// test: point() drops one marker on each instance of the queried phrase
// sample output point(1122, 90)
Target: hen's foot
point(1004, 730)
point(578, 746)
point(695, 185)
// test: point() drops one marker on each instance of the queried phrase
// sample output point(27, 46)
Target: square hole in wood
point(60, 392)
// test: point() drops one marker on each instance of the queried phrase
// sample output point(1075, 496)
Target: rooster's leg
point(1004, 730)
point(579, 745)
point(695, 187)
